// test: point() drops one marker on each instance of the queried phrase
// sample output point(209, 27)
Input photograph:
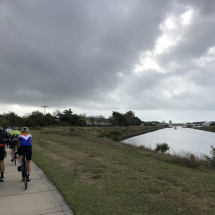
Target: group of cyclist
point(20, 142)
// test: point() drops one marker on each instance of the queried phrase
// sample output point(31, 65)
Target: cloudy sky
point(156, 58)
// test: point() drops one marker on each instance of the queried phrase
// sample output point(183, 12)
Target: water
point(180, 140)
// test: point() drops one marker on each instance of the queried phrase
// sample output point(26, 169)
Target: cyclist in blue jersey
point(24, 144)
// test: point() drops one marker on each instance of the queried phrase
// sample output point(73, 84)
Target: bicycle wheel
point(26, 178)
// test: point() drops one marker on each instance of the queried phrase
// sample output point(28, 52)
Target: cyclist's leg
point(2, 166)
point(19, 159)
point(28, 161)
point(6, 140)
point(29, 166)
point(12, 151)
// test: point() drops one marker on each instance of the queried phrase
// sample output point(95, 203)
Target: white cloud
point(147, 62)
point(187, 17)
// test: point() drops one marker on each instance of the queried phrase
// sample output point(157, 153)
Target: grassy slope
point(124, 131)
point(96, 178)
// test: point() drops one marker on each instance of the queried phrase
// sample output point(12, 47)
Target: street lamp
point(44, 108)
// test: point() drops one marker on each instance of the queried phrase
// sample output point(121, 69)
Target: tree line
point(67, 118)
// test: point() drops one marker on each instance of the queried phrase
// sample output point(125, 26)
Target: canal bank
point(102, 177)
point(181, 140)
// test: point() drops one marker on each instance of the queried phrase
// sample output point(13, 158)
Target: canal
point(180, 140)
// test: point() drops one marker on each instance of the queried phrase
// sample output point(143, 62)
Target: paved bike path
point(41, 197)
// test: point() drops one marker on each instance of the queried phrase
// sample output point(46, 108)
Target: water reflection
point(182, 139)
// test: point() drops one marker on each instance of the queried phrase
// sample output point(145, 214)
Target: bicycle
point(15, 156)
point(24, 170)
point(7, 143)
point(14, 151)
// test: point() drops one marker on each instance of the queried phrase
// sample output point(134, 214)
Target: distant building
point(208, 123)
point(170, 123)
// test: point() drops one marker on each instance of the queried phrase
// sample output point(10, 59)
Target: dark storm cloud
point(83, 53)
point(59, 51)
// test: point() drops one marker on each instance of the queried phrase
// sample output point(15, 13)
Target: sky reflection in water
point(180, 140)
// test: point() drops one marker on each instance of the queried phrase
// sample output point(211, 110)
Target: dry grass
point(125, 132)
point(108, 177)
point(93, 134)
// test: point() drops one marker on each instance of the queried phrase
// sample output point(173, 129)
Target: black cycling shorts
point(25, 149)
point(13, 144)
point(1, 153)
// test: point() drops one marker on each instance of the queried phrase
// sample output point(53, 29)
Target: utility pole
point(44, 108)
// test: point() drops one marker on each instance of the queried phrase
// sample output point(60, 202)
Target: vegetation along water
point(99, 175)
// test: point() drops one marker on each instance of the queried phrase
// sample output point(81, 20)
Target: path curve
point(41, 197)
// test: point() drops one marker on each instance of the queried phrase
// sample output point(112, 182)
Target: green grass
point(101, 178)
point(117, 133)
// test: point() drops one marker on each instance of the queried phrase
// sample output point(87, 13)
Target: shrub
point(211, 159)
point(72, 130)
point(113, 135)
point(116, 133)
point(162, 147)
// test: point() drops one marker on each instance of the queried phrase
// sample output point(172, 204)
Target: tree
point(67, 112)
point(68, 118)
point(119, 118)
point(100, 119)
point(4, 121)
point(36, 118)
point(112, 120)
point(92, 119)
point(48, 119)
point(12, 118)
point(127, 119)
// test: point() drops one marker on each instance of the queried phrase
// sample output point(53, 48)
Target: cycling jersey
point(6, 130)
point(14, 134)
point(25, 139)
point(2, 137)
point(9, 130)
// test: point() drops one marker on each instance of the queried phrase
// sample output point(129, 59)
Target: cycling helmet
point(25, 129)
point(14, 128)
point(8, 126)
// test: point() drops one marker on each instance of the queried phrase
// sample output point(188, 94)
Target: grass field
point(97, 177)
point(116, 132)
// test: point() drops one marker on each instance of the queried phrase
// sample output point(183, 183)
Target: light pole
point(44, 108)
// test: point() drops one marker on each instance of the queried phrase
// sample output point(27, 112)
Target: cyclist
point(2, 149)
point(6, 136)
point(24, 145)
point(13, 140)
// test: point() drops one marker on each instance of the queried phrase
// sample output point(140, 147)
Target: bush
point(113, 135)
point(116, 133)
point(211, 159)
point(162, 147)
